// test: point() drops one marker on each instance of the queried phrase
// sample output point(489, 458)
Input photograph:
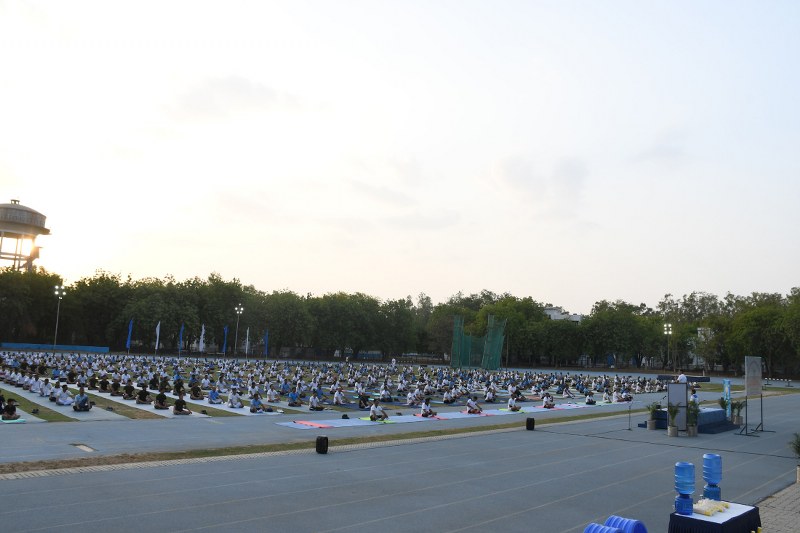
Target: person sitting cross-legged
point(82, 402)
point(590, 398)
point(143, 396)
point(161, 401)
point(196, 393)
point(338, 397)
point(64, 397)
point(512, 404)
point(547, 401)
point(234, 400)
point(256, 405)
point(425, 408)
point(128, 391)
point(180, 406)
point(472, 406)
point(10, 410)
point(213, 396)
point(376, 412)
point(294, 399)
point(313, 403)
point(272, 394)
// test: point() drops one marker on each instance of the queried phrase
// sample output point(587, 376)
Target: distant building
point(558, 313)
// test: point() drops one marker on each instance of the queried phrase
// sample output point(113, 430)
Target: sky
point(569, 151)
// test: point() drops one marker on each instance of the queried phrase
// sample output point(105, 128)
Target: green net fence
point(485, 352)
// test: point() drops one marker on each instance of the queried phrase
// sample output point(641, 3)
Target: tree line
point(705, 329)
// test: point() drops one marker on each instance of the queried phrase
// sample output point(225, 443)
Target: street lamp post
point(668, 333)
point(239, 310)
point(60, 292)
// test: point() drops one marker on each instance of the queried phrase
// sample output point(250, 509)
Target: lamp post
point(668, 333)
point(239, 310)
point(60, 292)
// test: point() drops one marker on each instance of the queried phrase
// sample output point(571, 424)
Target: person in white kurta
point(64, 397)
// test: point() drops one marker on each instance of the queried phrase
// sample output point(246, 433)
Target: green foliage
point(737, 406)
point(692, 413)
point(672, 411)
point(795, 445)
point(724, 403)
point(653, 408)
point(98, 308)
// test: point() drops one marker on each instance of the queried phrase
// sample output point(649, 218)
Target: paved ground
point(780, 513)
point(557, 478)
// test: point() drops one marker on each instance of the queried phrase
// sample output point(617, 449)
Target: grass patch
point(45, 413)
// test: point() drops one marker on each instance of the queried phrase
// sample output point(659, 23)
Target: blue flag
point(225, 340)
point(180, 338)
point(130, 332)
point(266, 343)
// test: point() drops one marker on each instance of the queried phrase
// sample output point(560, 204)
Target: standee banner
point(726, 393)
point(752, 376)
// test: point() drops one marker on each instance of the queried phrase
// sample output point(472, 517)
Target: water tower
point(19, 227)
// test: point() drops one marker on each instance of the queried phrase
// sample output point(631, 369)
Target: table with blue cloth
point(736, 519)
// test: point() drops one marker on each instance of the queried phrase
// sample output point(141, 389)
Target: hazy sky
point(568, 151)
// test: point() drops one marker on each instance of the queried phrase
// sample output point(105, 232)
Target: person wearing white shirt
point(313, 403)
point(46, 388)
point(425, 409)
point(272, 394)
point(411, 399)
point(547, 401)
point(376, 412)
point(472, 406)
point(234, 400)
point(64, 397)
point(338, 397)
point(36, 385)
point(512, 404)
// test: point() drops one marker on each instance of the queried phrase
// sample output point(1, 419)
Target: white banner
point(752, 376)
point(202, 343)
point(158, 333)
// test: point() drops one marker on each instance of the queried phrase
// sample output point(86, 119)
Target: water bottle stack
point(712, 474)
point(684, 486)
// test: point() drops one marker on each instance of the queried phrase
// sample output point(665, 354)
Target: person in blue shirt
point(294, 399)
point(82, 401)
point(256, 406)
point(213, 396)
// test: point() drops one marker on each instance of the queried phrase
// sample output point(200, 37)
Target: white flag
point(202, 338)
point(158, 333)
point(247, 343)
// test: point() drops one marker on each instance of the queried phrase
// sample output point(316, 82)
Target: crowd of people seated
point(146, 380)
